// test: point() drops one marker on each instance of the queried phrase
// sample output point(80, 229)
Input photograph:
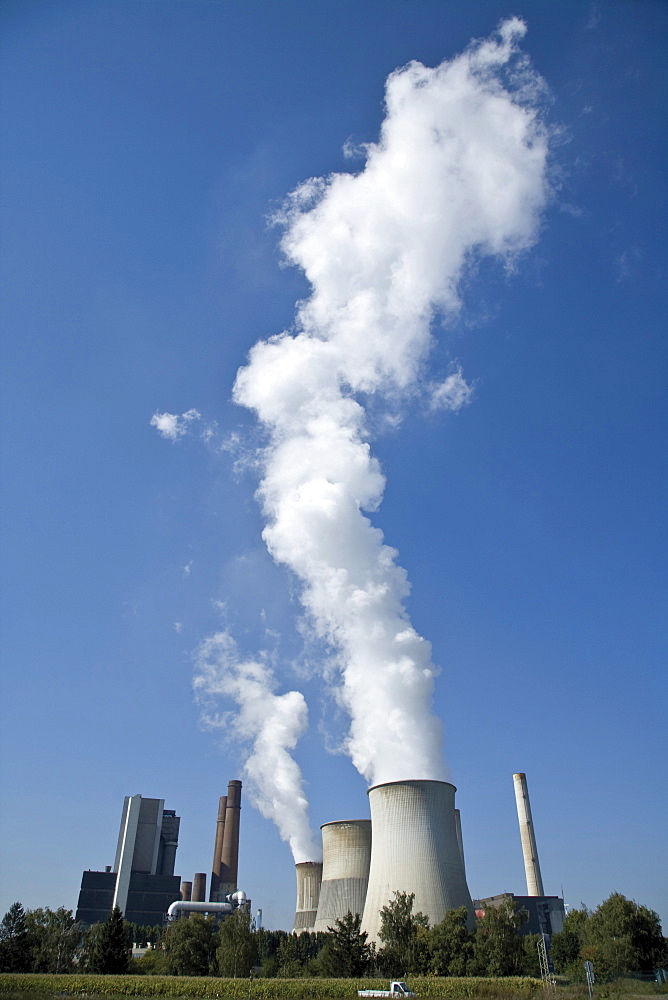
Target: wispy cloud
point(172, 426)
point(452, 393)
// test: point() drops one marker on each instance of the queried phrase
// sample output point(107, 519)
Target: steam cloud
point(459, 172)
point(272, 725)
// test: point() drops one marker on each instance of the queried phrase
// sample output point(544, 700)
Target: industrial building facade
point(142, 882)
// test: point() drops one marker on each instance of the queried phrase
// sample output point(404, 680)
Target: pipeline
point(235, 899)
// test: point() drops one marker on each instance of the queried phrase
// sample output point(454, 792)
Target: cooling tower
point(346, 855)
point(309, 877)
point(414, 850)
point(460, 841)
point(529, 849)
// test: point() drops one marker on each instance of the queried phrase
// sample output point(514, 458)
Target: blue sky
point(145, 145)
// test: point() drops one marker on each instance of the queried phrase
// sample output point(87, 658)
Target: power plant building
point(545, 914)
point(142, 882)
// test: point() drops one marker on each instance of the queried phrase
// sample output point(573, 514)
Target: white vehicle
point(397, 989)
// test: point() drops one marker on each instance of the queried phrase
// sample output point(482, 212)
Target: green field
point(28, 986)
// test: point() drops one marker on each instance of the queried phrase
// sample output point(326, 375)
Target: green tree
point(625, 937)
point(567, 943)
point(404, 935)
point(108, 946)
point(14, 941)
point(346, 954)
point(498, 948)
point(55, 939)
point(451, 944)
point(190, 946)
point(237, 951)
point(531, 962)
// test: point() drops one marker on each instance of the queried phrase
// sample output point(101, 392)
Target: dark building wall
point(96, 897)
point(149, 897)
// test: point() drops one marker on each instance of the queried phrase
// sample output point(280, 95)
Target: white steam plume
point(272, 724)
point(459, 170)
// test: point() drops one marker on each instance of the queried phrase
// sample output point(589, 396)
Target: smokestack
point(186, 891)
point(346, 856)
point(529, 849)
point(309, 877)
point(199, 888)
point(414, 850)
point(229, 864)
point(218, 850)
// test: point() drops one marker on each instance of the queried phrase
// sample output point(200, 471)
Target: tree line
point(618, 937)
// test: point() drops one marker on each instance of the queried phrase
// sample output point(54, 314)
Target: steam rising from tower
point(458, 172)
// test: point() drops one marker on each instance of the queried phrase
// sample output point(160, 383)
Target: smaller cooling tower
point(529, 849)
point(414, 850)
point(346, 855)
point(309, 877)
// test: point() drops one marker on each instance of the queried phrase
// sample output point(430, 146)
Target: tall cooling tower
point(529, 849)
point(346, 855)
point(309, 877)
point(415, 850)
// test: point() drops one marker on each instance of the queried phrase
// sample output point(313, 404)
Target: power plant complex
point(412, 843)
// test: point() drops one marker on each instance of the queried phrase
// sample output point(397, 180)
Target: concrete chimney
point(199, 888)
point(414, 850)
point(186, 891)
point(529, 849)
point(346, 856)
point(229, 864)
point(218, 850)
point(309, 877)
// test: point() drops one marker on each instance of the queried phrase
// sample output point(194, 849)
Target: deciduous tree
point(498, 949)
point(237, 951)
point(55, 939)
point(404, 936)
point(190, 946)
point(451, 944)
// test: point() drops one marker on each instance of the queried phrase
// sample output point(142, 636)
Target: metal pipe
point(197, 906)
point(528, 837)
